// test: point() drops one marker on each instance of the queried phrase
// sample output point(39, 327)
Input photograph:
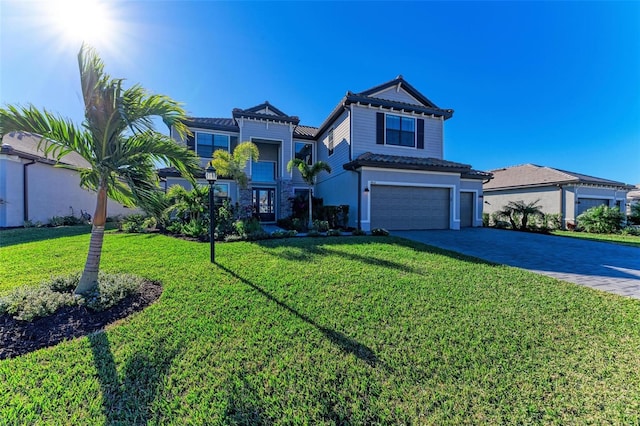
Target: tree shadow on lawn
point(128, 400)
point(306, 252)
point(345, 343)
point(11, 237)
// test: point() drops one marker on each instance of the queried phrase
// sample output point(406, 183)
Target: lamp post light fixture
point(210, 176)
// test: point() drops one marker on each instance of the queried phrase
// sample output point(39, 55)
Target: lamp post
point(210, 176)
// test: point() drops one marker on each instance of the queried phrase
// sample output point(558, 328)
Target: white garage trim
point(452, 196)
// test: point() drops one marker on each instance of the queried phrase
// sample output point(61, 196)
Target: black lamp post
point(210, 176)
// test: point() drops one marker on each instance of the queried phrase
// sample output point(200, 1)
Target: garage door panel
point(587, 203)
point(401, 207)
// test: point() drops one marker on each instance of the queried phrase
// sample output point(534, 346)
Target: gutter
point(359, 194)
point(25, 190)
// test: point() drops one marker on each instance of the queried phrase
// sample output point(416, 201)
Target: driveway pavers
point(604, 266)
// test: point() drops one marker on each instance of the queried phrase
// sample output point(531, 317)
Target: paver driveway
point(609, 267)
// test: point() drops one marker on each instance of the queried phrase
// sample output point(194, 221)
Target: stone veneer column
point(286, 192)
point(246, 199)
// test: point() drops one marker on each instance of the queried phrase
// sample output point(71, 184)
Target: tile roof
point(25, 145)
point(213, 123)
point(414, 163)
point(229, 124)
point(305, 131)
point(533, 175)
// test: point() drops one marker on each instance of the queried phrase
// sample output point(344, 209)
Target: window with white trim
point(400, 131)
point(220, 193)
point(304, 152)
point(207, 143)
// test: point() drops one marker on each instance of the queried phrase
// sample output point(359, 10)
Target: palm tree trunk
point(89, 278)
point(310, 208)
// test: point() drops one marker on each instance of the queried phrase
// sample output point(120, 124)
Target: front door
point(264, 202)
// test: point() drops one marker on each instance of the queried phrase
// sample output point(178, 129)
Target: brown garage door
point(407, 207)
point(466, 209)
point(585, 204)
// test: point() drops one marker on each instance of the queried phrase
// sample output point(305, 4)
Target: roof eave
point(357, 164)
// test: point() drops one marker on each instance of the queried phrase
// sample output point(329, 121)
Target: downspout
point(25, 190)
point(562, 207)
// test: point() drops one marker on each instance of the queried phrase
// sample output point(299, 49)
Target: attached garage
point(409, 207)
point(466, 209)
point(585, 204)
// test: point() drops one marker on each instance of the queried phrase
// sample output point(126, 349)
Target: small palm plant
point(117, 139)
point(519, 209)
point(232, 165)
point(309, 174)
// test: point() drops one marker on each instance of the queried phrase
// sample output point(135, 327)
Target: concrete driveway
point(604, 266)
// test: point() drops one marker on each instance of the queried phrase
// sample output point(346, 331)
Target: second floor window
point(400, 131)
point(207, 143)
point(263, 171)
point(304, 152)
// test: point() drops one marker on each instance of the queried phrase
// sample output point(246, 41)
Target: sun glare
point(81, 20)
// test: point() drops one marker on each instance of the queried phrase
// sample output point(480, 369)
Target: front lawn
point(357, 330)
point(629, 240)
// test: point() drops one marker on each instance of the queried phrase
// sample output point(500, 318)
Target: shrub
point(135, 223)
point(485, 219)
point(56, 221)
point(313, 233)
point(112, 288)
point(551, 221)
point(601, 220)
point(278, 234)
point(357, 232)
point(30, 303)
point(333, 233)
point(321, 225)
point(196, 228)
point(244, 227)
point(379, 232)
point(633, 230)
point(258, 235)
point(634, 217)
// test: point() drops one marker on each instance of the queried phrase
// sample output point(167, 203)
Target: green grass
point(357, 330)
point(628, 240)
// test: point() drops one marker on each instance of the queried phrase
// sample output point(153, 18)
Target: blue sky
point(549, 83)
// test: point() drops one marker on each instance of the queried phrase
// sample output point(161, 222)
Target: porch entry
point(264, 202)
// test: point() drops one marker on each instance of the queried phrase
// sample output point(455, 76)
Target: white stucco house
point(559, 191)
point(33, 189)
point(385, 146)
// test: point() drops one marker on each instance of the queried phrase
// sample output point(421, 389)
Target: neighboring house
point(385, 146)
point(559, 191)
point(633, 197)
point(33, 189)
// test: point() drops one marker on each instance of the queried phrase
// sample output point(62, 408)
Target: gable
point(397, 94)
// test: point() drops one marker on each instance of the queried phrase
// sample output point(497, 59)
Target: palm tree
point(232, 165)
point(309, 173)
point(117, 139)
point(521, 209)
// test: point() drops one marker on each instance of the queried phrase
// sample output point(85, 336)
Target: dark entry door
point(264, 201)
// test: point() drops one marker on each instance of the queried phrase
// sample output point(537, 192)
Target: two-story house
point(385, 148)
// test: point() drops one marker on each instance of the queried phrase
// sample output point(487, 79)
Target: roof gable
point(265, 111)
point(400, 91)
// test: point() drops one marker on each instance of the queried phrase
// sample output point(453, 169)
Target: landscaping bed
point(21, 337)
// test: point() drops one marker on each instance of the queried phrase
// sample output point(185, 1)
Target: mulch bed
point(20, 337)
